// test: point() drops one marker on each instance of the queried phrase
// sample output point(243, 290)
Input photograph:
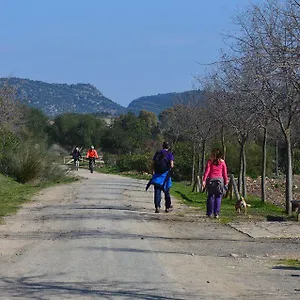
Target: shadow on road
point(39, 288)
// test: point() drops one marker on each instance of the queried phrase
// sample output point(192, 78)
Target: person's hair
point(217, 156)
point(166, 145)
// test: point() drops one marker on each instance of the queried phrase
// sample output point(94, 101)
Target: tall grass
point(29, 161)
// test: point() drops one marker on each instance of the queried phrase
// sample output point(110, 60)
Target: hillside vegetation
point(55, 99)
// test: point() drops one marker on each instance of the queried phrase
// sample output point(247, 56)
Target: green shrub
point(110, 160)
point(29, 161)
point(142, 163)
point(137, 162)
point(183, 161)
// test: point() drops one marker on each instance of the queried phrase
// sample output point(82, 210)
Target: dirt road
point(100, 239)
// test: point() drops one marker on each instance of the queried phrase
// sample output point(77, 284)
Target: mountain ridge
point(58, 98)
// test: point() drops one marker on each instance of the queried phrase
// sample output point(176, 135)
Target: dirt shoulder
point(275, 189)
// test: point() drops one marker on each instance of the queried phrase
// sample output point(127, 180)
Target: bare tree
point(271, 34)
point(10, 110)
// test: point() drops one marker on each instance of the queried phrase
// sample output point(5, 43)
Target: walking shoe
point(157, 210)
point(209, 216)
point(217, 217)
point(167, 210)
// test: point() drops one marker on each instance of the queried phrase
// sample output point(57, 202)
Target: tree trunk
point(223, 143)
point(240, 170)
point(244, 179)
point(289, 173)
point(276, 159)
point(203, 158)
point(194, 163)
point(264, 166)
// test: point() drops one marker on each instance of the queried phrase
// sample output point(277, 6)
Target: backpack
point(161, 164)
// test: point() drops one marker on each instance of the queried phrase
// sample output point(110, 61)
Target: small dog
point(241, 205)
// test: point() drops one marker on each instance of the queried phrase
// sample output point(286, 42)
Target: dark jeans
point(157, 197)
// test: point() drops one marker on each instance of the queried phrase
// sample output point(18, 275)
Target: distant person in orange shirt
point(91, 155)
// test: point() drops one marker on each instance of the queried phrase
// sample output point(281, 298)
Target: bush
point(29, 161)
point(140, 163)
point(110, 160)
point(183, 161)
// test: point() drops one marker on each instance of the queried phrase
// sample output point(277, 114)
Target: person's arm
point(206, 172)
point(224, 173)
point(170, 158)
point(96, 153)
point(172, 164)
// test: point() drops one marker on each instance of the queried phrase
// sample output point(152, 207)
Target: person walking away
point(215, 179)
point(76, 156)
point(162, 164)
point(91, 155)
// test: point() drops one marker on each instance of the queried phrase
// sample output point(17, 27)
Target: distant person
point(76, 153)
point(76, 157)
point(92, 154)
point(162, 164)
point(215, 179)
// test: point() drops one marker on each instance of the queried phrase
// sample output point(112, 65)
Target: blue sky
point(126, 48)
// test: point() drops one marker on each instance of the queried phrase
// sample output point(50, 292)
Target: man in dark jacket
point(162, 164)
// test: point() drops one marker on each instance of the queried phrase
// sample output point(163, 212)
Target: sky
point(125, 48)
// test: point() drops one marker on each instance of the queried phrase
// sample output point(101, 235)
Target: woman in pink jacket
point(215, 179)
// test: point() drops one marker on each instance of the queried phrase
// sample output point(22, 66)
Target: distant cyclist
point(76, 153)
point(92, 155)
point(76, 156)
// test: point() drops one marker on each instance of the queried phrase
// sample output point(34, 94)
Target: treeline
point(24, 144)
point(129, 141)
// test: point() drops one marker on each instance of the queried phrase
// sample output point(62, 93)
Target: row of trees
point(127, 134)
point(254, 90)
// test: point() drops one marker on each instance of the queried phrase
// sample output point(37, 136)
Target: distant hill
point(161, 102)
point(54, 99)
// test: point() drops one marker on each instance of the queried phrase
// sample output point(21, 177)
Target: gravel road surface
point(99, 238)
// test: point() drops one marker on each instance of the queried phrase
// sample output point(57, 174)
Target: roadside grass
point(131, 174)
point(14, 194)
point(291, 263)
point(257, 211)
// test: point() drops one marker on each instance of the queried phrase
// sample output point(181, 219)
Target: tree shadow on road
point(42, 288)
